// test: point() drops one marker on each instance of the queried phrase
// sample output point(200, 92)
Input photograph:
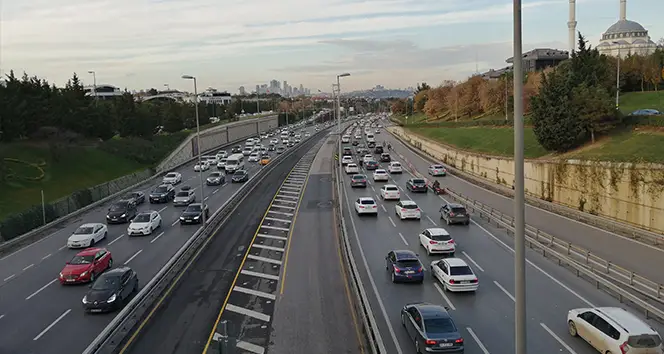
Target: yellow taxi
point(264, 160)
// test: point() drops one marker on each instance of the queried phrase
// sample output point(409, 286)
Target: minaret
point(623, 10)
point(571, 25)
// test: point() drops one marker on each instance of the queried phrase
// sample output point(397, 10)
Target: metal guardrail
point(123, 324)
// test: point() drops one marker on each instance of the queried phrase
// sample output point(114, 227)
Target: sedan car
point(221, 165)
point(371, 165)
point(385, 157)
point(390, 192)
point(280, 149)
point(271, 147)
point(111, 290)
point(407, 209)
point(265, 159)
point(437, 240)
point(378, 150)
point(240, 176)
point(366, 205)
point(172, 178)
point(136, 197)
point(358, 181)
point(351, 168)
point(366, 158)
point(254, 157)
point(404, 266)
point(417, 185)
point(203, 166)
point(431, 328)
point(454, 213)
point(144, 223)
point(184, 197)
point(380, 175)
point(85, 266)
point(121, 211)
point(394, 167)
point(215, 179)
point(274, 141)
point(236, 149)
point(455, 275)
point(193, 213)
point(87, 235)
point(162, 194)
point(437, 170)
point(346, 160)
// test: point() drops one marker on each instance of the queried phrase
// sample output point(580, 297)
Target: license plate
point(444, 345)
point(465, 282)
point(409, 272)
point(188, 221)
point(95, 310)
point(70, 280)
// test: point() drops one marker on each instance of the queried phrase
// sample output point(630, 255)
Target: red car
point(86, 265)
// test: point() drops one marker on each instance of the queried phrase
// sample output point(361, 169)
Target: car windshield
point(379, 172)
point(418, 181)
point(437, 166)
point(461, 270)
point(408, 263)
point(182, 194)
point(83, 230)
point(396, 164)
point(359, 177)
point(171, 175)
point(193, 208)
point(439, 325)
point(239, 173)
point(118, 207)
point(215, 174)
point(107, 282)
point(441, 237)
point(367, 202)
point(459, 210)
point(391, 189)
point(161, 189)
point(142, 218)
point(82, 260)
point(409, 206)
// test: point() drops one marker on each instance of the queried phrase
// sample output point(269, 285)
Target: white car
point(358, 137)
point(455, 275)
point(407, 209)
point(346, 160)
point(87, 235)
point(394, 167)
point(352, 168)
point(366, 205)
point(380, 175)
point(212, 160)
point(274, 141)
point(247, 150)
point(144, 223)
point(222, 154)
point(307, 135)
point(254, 157)
point(368, 157)
point(221, 164)
point(345, 139)
point(437, 170)
point(172, 178)
point(437, 240)
point(390, 192)
point(203, 166)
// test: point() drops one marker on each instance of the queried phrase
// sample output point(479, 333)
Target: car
point(280, 149)
point(240, 176)
point(172, 178)
point(345, 139)
point(390, 192)
point(455, 275)
point(254, 157)
point(417, 185)
point(431, 328)
point(290, 144)
point(613, 330)
point(366, 158)
point(355, 143)
point(378, 150)
point(136, 197)
point(437, 170)
point(121, 212)
point(454, 213)
point(184, 197)
point(237, 149)
point(407, 209)
point(437, 240)
point(215, 179)
point(221, 165)
point(87, 235)
point(265, 159)
point(394, 167)
point(211, 160)
point(380, 175)
point(221, 154)
point(371, 144)
point(371, 165)
point(193, 213)
point(85, 266)
point(274, 141)
point(162, 194)
point(358, 181)
point(385, 157)
point(404, 266)
point(366, 205)
point(377, 131)
point(358, 136)
point(347, 151)
point(271, 147)
point(111, 290)
point(351, 168)
point(307, 135)
point(346, 160)
point(203, 166)
point(144, 223)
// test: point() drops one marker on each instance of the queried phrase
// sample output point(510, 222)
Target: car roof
point(432, 311)
point(405, 254)
point(359, 175)
point(195, 204)
point(438, 231)
point(455, 205)
point(165, 185)
point(625, 319)
point(116, 271)
point(366, 198)
point(89, 251)
point(91, 224)
point(380, 170)
point(455, 262)
point(408, 202)
point(172, 173)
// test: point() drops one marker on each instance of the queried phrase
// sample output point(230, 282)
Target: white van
point(234, 162)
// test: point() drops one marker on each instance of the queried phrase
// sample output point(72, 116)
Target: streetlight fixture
point(198, 144)
point(339, 111)
point(94, 82)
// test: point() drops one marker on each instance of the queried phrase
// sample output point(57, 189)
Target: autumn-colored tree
point(399, 107)
point(435, 105)
point(652, 71)
point(492, 96)
point(420, 100)
point(469, 103)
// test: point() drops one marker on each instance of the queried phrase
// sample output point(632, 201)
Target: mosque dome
point(625, 26)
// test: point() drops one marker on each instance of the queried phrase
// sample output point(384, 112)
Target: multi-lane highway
point(486, 319)
point(38, 315)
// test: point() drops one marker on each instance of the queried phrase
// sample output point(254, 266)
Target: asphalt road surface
point(40, 316)
point(486, 318)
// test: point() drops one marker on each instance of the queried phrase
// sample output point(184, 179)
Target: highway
point(40, 316)
point(486, 319)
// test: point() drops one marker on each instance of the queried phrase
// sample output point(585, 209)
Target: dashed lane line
point(259, 275)
point(270, 248)
point(255, 292)
point(264, 259)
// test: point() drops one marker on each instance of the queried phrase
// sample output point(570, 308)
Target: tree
point(399, 107)
point(594, 109)
point(422, 87)
point(652, 71)
point(420, 100)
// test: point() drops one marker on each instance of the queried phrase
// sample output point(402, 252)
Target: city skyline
point(394, 43)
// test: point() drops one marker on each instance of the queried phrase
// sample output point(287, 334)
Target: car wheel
point(92, 277)
point(467, 223)
point(417, 347)
point(572, 329)
point(159, 223)
point(105, 234)
point(394, 279)
point(110, 264)
point(452, 254)
point(92, 242)
point(447, 221)
point(403, 320)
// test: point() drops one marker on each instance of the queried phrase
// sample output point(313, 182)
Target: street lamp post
point(198, 144)
point(618, 77)
point(94, 82)
point(339, 111)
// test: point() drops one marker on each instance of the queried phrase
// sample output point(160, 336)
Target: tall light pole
point(94, 83)
point(618, 76)
point(519, 192)
point(198, 143)
point(339, 111)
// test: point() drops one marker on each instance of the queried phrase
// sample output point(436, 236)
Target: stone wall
point(627, 192)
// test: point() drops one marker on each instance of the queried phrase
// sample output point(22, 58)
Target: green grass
point(640, 146)
point(412, 119)
point(631, 101)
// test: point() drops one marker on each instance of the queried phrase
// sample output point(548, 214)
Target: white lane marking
point(442, 293)
point(215, 191)
point(51, 325)
point(264, 259)
point(372, 188)
point(247, 312)
point(283, 206)
point(281, 213)
point(175, 222)
point(477, 340)
point(401, 188)
point(28, 267)
point(132, 257)
point(431, 220)
point(259, 275)
point(115, 239)
point(282, 238)
point(254, 292)
point(288, 192)
point(61, 248)
point(206, 198)
point(288, 196)
point(392, 221)
point(162, 209)
point(30, 245)
point(504, 290)
point(269, 248)
point(156, 238)
point(403, 239)
point(2, 316)
point(275, 228)
point(546, 328)
point(279, 220)
point(10, 277)
point(383, 206)
point(472, 261)
point(40, 289)
point(46, 256)
point(250, 347)
point(285, 201)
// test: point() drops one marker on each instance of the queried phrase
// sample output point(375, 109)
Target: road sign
point(336, 157)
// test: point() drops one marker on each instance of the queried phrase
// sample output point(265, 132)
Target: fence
point(19, 223)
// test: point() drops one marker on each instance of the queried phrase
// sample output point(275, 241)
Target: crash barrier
point(123, 324)
point(604, 223)
point(618, 281)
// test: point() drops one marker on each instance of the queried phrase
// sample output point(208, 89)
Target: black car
point(271, 147)
point(371, 165)
point(454, 213)
point(417, 185)
point(121, 212)
point(215, 179)
point(111, 290)
point(162, 194)
point(385, 157)
point(431, 328)
point(371, 144)
point(137, 197)
point(358, 181)
point(347, 152)
point(356, 143)
point(240, 176)
point(378, 150)
point(192, 215)
point(237, 149)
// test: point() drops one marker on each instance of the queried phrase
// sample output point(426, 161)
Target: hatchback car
point(121, 211)
point(162, 194)
point(347, 152)
point(455, 275)
point(437, 240)
point(385, 157)
point(136, 197)
point(240, 176)
point(111, 290)
point(358, 181)
point(215, 179)
point(380, 175)
point(408, 209)
point(144, 223)
point(254, 157)
point(351, 168)
point(417, 185)
point(280, 149)
point(85, 266)
point(203, 166)
point(87, 235)
point(378, 150)
point(404, 266)
point(431, 328)
point(454, 213)
point(394, 167)
point(366, 205)
point(346, 160)
point(172, 178)
point(371, 165)
point(184, 197)
point(366, 158)
point(437, 170)
point(265, 159)
point(390, 192)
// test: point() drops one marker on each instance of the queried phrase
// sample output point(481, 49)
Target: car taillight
point(624, 348)
point(432, 242)
point(474, 281)
point(451, 242)
point(403, 210)
point(418, 209)
point(397, 270)
point(451, 214)
point(420, 269)
point(459, 341)
point(451, 281)
point(431, 342)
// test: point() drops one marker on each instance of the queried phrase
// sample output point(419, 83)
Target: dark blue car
point(431, 328)
point(404, 266)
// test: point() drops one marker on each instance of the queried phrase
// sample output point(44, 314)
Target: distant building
point(243, 92)
point(215, 97)
point(103, 91)
point(541, 58)
point(626, 37)
point(493, 75)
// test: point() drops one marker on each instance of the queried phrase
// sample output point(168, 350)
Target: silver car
point(184, 198)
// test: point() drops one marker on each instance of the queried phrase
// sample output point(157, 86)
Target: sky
point(139, 44)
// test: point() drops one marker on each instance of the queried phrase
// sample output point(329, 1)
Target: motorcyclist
point(383, 143)
point(389, 147)
point(436, 185)
point(361, 162)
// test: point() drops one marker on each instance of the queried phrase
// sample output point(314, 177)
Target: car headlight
point(85, 299)
point(84, 274)
point(61, 276)
point(111, 299)
point(196, 217)
point(181, 217)
point(123, 215)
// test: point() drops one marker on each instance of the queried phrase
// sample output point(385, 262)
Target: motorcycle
point(437, 190)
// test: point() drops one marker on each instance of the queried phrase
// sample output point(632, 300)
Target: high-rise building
point(242, 91)
point(301, 89)
point(258, 89)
